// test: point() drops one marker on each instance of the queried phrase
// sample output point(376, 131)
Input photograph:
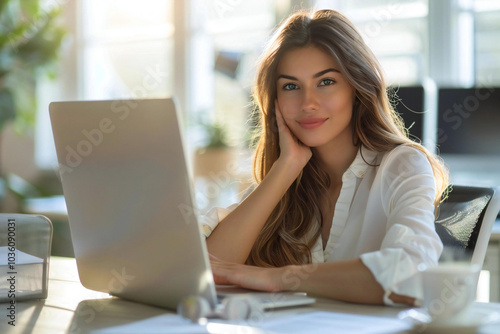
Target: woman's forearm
point(349, 281)
point(233, 238)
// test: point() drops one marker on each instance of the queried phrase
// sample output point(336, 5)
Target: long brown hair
point(295, 224)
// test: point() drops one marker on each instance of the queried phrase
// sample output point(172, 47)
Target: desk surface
point(71, 308)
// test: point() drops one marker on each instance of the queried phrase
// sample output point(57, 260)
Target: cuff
point(395, 272)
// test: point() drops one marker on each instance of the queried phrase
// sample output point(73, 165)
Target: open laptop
point(130, 205)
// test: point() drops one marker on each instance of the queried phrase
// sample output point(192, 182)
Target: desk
point(71, 308)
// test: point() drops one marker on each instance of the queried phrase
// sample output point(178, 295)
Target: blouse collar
point(365, 158)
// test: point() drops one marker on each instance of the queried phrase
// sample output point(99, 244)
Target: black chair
point(465, 220)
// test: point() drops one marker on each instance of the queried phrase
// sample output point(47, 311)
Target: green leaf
point(30, 40)
point(3, 3)
point(217, 135)
point(30, 8)
point(41, 47)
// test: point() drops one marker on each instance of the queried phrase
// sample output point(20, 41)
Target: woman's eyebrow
point(289, 77)
point(317, 75)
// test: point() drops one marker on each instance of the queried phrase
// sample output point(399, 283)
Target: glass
point(25, 242)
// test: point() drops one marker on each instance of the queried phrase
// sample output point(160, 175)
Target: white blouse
point(384, 215)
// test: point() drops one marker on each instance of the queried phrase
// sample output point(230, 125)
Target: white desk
point(70, 308)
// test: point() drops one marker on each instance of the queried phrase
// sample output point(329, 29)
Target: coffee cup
point(449, 290)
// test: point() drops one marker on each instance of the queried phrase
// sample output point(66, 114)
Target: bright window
point(119, 49)
point(127, 48)
point(396, 31)
point(487, 32)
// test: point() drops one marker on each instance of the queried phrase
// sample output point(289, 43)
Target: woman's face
point(314, 97)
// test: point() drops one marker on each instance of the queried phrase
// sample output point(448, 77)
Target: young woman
point(344, 203)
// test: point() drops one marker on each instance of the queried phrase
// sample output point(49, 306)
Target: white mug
point(449, 290)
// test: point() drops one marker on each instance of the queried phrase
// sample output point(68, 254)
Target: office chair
point(465, 220)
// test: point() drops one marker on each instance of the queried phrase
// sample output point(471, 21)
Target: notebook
point(130, 204)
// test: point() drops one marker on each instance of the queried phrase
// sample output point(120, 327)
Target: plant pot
point(212, 161)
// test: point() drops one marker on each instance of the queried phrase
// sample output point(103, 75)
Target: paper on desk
point(172, 323)
point(314, 322)
point(332, 322)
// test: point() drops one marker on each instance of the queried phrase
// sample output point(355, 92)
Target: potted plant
point(30, 40)
point(217, 155)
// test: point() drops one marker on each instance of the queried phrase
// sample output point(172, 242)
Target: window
point(156, 48)
point(487, 32)
point(228, 43)
point(238, 28)
point(396, 31)
point(126, 48)
point(120, 49)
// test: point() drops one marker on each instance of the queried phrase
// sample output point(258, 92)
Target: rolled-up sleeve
point(407, 192)
point(209, 221)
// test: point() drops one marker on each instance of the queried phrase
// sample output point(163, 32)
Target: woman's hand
point(293, 152)
point(236, 234)
point(245, 276)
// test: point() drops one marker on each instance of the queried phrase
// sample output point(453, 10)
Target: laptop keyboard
point(270, 300)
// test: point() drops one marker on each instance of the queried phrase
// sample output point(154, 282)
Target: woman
point(344, 203)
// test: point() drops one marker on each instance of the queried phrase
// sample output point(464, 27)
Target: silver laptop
point(130, 203)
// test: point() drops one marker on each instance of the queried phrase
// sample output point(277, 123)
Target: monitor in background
point(468, 133)
point(469, 121)
point(409, 103)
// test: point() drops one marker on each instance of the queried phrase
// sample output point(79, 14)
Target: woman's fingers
point(213, 257)
point(284, 131)
point(224, 272)
point(279, 118)
point(290, 146)
point(221, 270)
point(285, 135)
point(250, 277)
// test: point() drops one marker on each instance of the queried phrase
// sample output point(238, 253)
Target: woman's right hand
point(245, 276)
point(294, 154)
point(235, 236)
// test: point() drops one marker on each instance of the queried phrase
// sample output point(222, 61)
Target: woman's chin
point(313, 143)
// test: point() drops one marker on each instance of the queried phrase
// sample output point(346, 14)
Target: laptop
point(130, 204)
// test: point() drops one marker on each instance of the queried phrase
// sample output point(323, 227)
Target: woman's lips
point(311, 123)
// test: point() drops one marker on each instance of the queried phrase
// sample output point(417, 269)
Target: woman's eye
point(290, 86)
point(327, 82)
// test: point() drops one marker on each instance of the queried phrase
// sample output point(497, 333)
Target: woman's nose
point(310, 100)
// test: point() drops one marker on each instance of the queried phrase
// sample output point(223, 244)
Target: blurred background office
point(441, 56)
